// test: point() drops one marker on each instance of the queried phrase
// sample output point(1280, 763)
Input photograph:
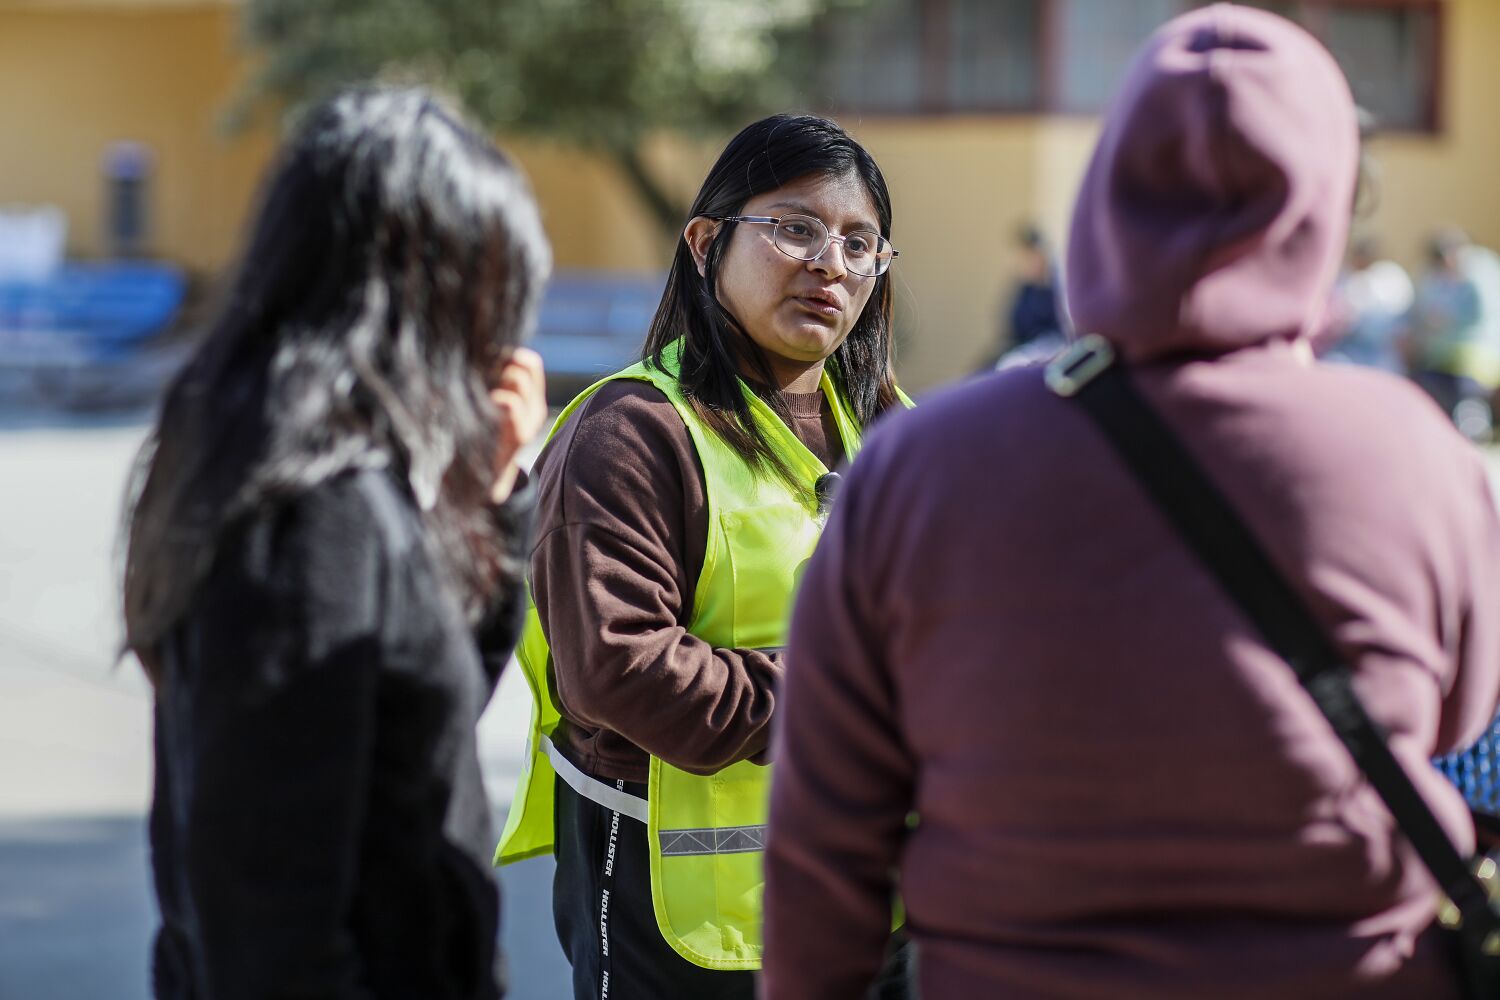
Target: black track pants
point(601, 901)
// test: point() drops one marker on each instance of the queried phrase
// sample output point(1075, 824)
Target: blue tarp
point(101, 309)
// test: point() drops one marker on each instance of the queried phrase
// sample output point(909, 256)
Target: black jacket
point(319, 828)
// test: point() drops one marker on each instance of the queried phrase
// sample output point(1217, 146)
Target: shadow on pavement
point(538, 970)
point(76, 914)
point(20, 417)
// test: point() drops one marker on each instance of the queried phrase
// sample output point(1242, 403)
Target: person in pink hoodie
point(1015, 697)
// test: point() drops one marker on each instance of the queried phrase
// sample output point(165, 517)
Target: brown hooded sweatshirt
point(621, 527)
point(1122, 792)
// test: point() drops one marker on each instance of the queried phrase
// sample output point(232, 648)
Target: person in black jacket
point(323, 569)
point(1035, 311)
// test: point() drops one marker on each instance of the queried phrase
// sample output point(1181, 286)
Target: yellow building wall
point(960, 188)
point(76, 75)
point(1452, 178)
point(72, 81)
point(592, 215)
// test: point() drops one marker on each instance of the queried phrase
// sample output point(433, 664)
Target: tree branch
point(667, 212)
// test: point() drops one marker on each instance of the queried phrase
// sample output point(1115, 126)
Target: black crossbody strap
point(1207, 522)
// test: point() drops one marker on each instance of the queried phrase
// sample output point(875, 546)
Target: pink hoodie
point(1215, 211)
point(1122, 793)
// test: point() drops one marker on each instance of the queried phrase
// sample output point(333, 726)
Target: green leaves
point(600, 74)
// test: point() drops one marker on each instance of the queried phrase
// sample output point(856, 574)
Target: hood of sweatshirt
point(1215, 210)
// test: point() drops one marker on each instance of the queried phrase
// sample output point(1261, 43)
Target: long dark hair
point(396, 257)
point(765, 156)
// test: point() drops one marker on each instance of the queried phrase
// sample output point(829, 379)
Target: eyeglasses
point(802, 237)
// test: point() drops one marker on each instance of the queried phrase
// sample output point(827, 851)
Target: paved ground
point(75, 906)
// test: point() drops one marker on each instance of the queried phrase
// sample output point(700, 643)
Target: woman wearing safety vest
point(678, 502)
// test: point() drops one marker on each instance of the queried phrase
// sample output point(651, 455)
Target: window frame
point(1433, 123)
point(933, 101)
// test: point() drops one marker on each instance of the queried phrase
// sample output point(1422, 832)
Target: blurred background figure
point(1453, 331)
point(1034, 327)
point(1371, 300)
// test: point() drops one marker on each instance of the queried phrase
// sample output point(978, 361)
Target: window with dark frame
point(1095, 40)
point(1391, 54)
point(875, 58)
point(935, 56)
point(993, 59)
point(899, 57)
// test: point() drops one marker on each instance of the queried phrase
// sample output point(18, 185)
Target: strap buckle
point(1079, 364)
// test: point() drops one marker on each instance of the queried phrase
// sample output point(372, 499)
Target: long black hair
point(765, 156)
point(395, 259)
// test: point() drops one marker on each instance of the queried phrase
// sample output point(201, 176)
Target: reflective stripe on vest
point(712, 840)
point(593, 789)
point(706, 833)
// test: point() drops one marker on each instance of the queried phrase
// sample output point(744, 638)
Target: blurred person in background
point(678, 502)
point(1034, 324)
point(1371, 300)
point(1035, 310)
point(1016, 694)
point(1454, 331)
point(324, 564)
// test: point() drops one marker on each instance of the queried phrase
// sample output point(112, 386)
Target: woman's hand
point(520, 396)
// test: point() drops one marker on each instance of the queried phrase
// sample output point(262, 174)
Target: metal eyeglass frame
point(829, 238)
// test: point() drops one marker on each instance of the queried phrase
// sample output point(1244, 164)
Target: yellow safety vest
point(706, 833)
